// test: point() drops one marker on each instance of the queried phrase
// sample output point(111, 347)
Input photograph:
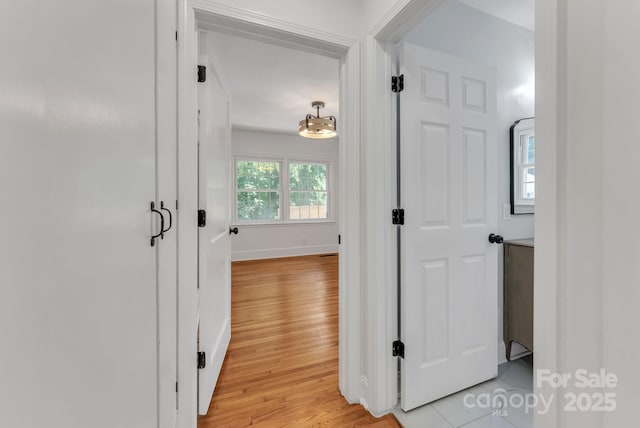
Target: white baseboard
point(376, 414)
point(517, 351)
point(350, 400)
point(272, 253)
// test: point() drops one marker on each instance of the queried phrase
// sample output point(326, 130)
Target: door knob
point(496, 239)
point(233, 230)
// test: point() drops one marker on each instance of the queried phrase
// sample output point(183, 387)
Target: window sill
point(523, 209)
point(284, 223)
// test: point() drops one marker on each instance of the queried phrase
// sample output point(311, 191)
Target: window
point(523, 166)
point(257, 190)
point(275, 191)
point(527, 168)
point(307, 191)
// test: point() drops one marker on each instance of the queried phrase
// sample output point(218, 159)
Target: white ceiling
point(271, 86)
point(519, 12)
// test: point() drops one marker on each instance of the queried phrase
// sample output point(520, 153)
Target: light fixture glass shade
point(313, 127)
point(317, 127)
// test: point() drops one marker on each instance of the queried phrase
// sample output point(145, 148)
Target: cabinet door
point(518, 292)
point(77, 174)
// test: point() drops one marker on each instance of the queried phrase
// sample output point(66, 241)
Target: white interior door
point(214, 312)
point(449, 193)
point(78, 315)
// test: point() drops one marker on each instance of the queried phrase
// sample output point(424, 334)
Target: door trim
point(552, 126)
point(207, 15)
point(380, 387)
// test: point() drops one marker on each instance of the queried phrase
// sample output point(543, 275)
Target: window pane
point(258, 206)
point(529, 191)
point(308, 191)
point(306, 176)
point(530, 174)
point(529, 183)
point(307, 205)
point(257, 175)
point(531, 150)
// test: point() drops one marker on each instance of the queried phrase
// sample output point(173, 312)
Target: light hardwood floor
point(282, 365)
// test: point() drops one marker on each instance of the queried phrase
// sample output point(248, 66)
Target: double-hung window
point(523, 166)
point(277, 191)
point(527, 168)
point(257, 190)
point(308, 193)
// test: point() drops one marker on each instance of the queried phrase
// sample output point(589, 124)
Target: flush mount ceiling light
point(316, 126)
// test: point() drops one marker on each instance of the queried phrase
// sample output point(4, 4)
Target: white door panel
point(449, 193)
point(214, 313)
point(78, 294)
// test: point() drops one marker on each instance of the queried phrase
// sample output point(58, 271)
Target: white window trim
point(329, 191)
point(284, 191)
point(521, 167)
point(235, 189)
point(520, 128)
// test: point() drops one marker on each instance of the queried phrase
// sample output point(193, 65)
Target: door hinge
point(202, 73)
point(202, 218)
point(398, 348)
point(176, 386)
point(339, 239)
point(202, 360)
point(397, 216)
point(397, 83)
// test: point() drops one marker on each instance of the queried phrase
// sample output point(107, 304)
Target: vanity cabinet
point(518, 294)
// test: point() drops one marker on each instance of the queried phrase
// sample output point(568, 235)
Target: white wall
point(587, 270)
point(294, 239)
point(375, 10)
point(459, 30)
point(333, 16)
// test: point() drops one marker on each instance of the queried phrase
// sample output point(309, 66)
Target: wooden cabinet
point(518, 294)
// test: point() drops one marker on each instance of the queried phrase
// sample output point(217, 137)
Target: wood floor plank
point(281, 369)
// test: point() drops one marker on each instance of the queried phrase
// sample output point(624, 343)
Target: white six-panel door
point(214, 312)
point(449, 193)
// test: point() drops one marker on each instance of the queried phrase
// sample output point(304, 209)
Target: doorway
point(213, 17)
point(274, 192)
point(456, 41)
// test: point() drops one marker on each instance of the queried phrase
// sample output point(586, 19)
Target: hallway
point(282, 365)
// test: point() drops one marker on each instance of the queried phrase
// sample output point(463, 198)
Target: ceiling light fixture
point(316, 126)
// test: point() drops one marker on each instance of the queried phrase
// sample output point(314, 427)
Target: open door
point(449, 194)
point(214, 276)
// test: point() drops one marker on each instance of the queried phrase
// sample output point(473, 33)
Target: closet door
point(77, 174)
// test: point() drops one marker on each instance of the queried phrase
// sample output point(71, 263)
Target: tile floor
point(515, 377)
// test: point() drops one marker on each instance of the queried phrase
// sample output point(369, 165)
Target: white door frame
point(551, 127)
point(166, 107)
point(380, 384)
point(208, 15)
